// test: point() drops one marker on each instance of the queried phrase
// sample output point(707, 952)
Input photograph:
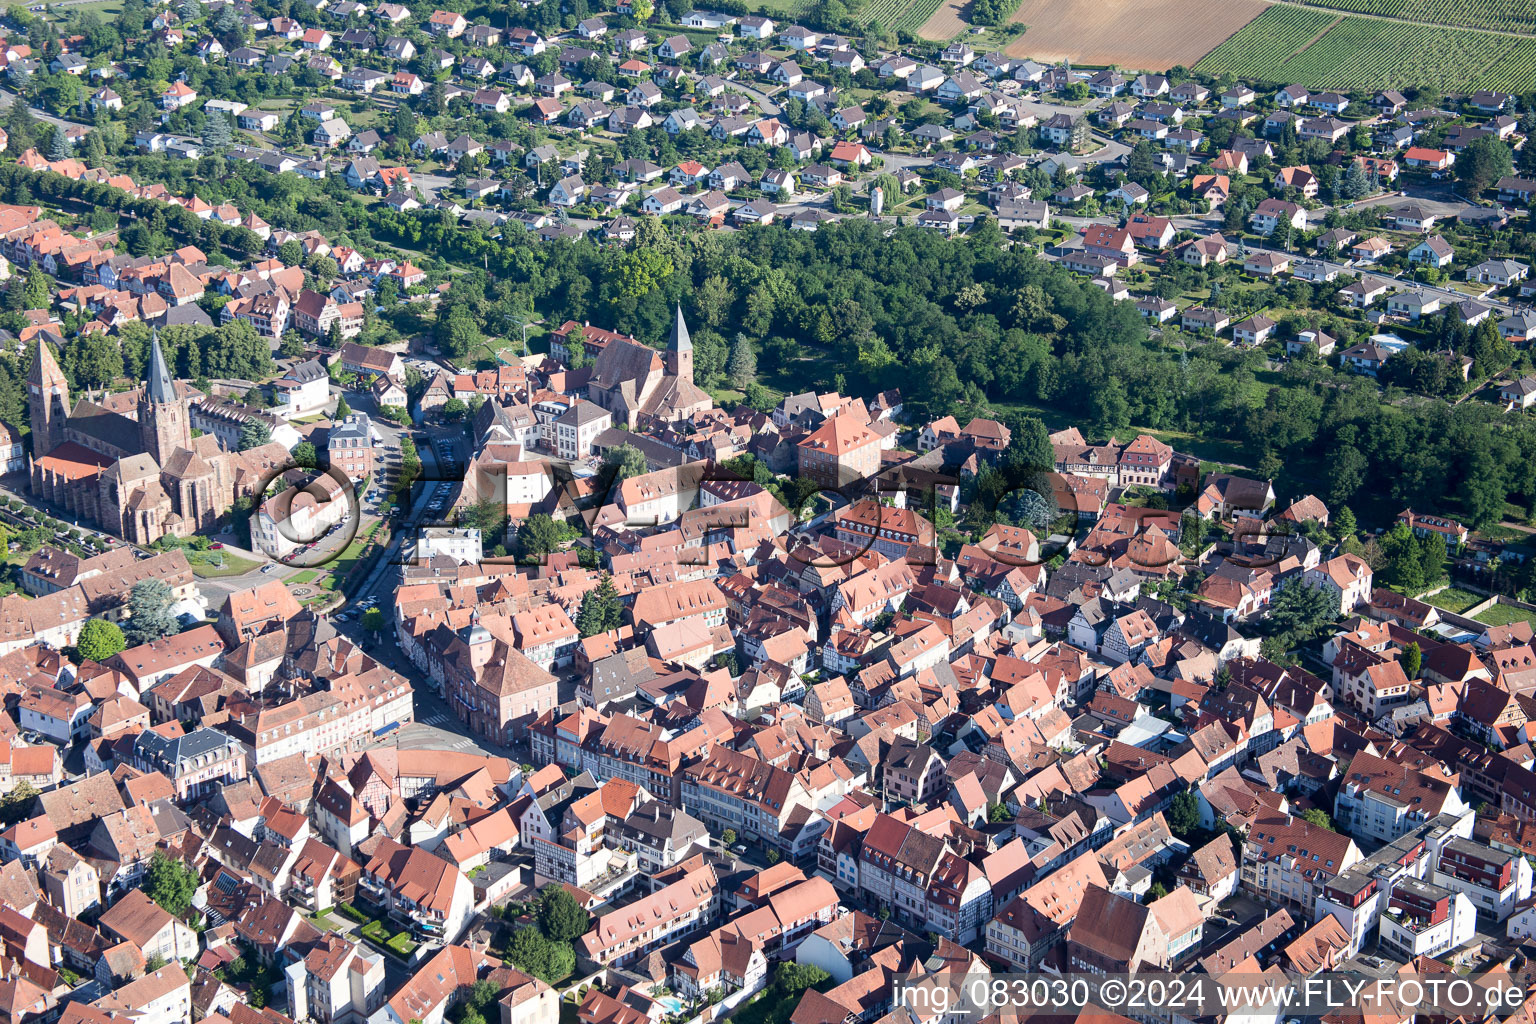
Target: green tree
point(373, 620)
point(539, 534)
point(1030, 447)
point(454, 409)
point(217, 136)
point(1183, 813)
point(531, 952)
point(17, 804)
point(458, 334)
point(94, 360)
point(38, 291)
point(728, 837)
point(1156, 891)
point(1404, 566)
point(305, 455)
point(324, 268)
point(792, 978)
point(561, 918)
point(485, 515)
point(100, 639)
point(254, 434)
point(1299, 611)
point(1412, 660)
point(59, 148)
point(342, 408)
point(600, 609)
point(150, 614)
point(1141, 163)
point(1031, 509)
point(1482, 163)
point(743, 363)
point(1344, 524)
point(627, 460)
point(1317, 816)
point(170, 883)
point(1110, 408)
point(1356, 185)
point(1432, 558)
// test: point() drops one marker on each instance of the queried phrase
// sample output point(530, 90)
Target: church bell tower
point(47, 400)
point(679, 355)
point(164, 423)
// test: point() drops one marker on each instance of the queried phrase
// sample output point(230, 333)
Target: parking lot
point(358, 608)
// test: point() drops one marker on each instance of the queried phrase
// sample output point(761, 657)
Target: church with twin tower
point(129, 461)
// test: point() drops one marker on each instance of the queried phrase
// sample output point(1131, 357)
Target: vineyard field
point(1499, 15)
point(1288, 44)
point(1514, 71)
point(898, 14)
point(1276, 34)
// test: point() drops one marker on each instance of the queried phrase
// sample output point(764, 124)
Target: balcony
point(426, 924)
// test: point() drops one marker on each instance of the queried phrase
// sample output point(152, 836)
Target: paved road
point(1354, 267)
point(9, 97)
point(767, 105)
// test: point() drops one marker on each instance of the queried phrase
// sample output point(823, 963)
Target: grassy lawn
point(207, 564)
point(769, 1005)
point(104, 9)
point(725, 395)
point(1454, 599)
point(307, 576)
point(346, 560)
point(324, 921)
point(1504, 614)
point(336, 572)
point(400, 943)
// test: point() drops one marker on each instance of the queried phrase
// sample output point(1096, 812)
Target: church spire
point(162, 387)
point(679, 341)
point(45, 369)
point(163, 416)
point(679, 355)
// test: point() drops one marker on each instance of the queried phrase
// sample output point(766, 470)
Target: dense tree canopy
point(170, 883)
point(100, 639)
point(546, 960)
point(600, 609)
point(150, 615)
point(962, 326)
point(561, 918)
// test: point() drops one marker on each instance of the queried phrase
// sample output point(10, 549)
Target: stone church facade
point(640, 386)
point(130, 462)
